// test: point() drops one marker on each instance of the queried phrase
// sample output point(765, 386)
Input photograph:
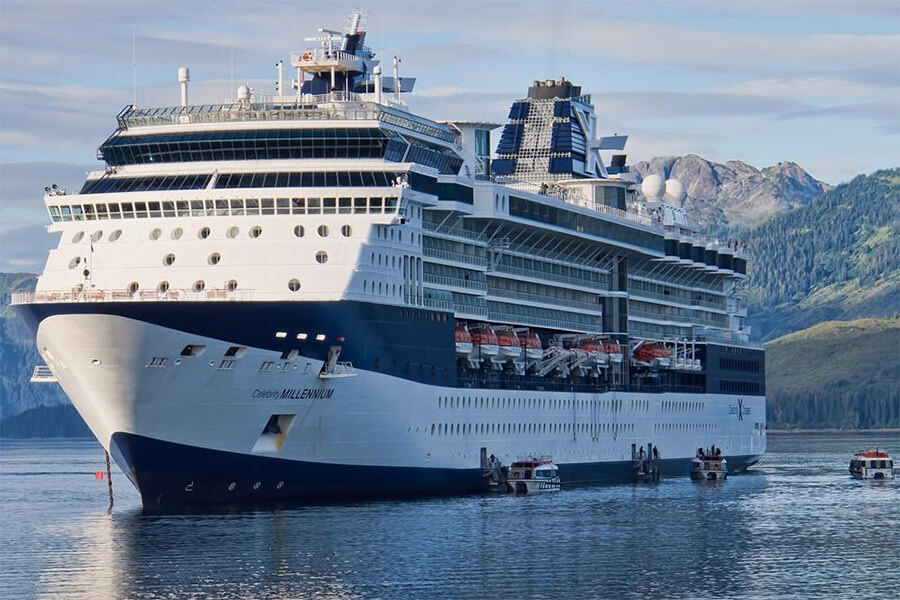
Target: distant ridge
point(735, 196)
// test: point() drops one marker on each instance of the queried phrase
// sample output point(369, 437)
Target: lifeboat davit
point(531, 342)
point(614, 350)
point(485, 341)
point(463, 340)
point(653, 354)
point(508, 342)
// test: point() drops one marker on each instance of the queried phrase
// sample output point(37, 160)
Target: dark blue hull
point(172, 477)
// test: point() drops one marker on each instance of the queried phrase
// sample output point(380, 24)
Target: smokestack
point(184, 75)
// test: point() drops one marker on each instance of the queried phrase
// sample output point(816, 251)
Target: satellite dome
point(675, 192)
point(652, 187)
point(244, 93)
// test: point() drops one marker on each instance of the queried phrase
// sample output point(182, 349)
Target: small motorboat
point(533, 476)
point(872, 464)
point(709, 465)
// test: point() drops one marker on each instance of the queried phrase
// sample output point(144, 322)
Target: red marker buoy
point(98, 475)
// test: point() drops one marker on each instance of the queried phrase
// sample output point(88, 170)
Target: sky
point(815, 82)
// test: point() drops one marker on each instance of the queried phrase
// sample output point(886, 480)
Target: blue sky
point(811, 81)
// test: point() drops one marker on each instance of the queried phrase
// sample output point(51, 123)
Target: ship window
point(133, 287)
point(199, 286)
point(203, 233)
point(322, 231)
point(74, 262)
point(233, 232)
point(294, 285)
point(289, 354)
point(321, 257)
point(97, 235)
point(214, 258)
point(299, 231)
point(115, 235)
point(346, 231)
point(176, 233)
point(344, 206)
point(302, 336)
point(77, 237)
point(163, 286)
point(231, 285)
point(168, 259)
point(193, 350)
point(281, 334)
point(155, 233)
point(255, 231)
point(320, 337)
point(236, 351)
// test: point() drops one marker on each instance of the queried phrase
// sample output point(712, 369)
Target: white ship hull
point(368, 422)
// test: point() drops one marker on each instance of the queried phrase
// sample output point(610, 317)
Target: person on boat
point(699, 452)
point(655, 453)
point(641, 453)
point(718, 452)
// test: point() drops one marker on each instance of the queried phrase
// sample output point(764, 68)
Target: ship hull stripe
point(172, 477)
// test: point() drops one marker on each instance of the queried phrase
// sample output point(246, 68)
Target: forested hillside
point(836, 374)
point(18, 355)
point(838, 258)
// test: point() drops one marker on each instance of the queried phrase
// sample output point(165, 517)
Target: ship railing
point(459, 257)
point(43, 374)
point(504, 294)
point(545, 276)
point(316, 55)
point(453, 231)
point(97, 295)
point(458, 282)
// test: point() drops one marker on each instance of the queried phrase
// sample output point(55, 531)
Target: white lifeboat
point(508, 342)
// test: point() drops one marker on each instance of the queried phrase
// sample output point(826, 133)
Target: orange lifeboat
point(614, 350)
point(654, 354)
point(595, 348)
point(463, 340)
point(531, 343)
point(508, 342)
point(485, 341)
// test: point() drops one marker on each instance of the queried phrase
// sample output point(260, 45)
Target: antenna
point(231, 96)
point(133, 67)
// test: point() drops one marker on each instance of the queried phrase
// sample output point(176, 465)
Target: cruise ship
point(319, 294)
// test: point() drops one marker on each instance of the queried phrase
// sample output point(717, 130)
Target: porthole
point(199, 285)
point(299, 231)
point(346, 230)
point(133, 287)
point(115, 235)
point(168, 259)
point(214, 258)
point(323, 230)
point(294, 285)
point(163, 286)
point(321, 257)
point(155, 233)
point(77, 237)
point(74, 262)
point(78, 289)
point(203, 233)
point(255, 231)
point(95, 237)
point(231, 285)
point(176, 233)
point(233, 232)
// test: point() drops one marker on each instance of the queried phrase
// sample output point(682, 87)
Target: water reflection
point(796, 526)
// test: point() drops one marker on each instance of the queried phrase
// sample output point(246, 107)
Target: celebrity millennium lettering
point(416, 299)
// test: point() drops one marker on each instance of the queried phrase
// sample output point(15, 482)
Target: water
point(797, 526)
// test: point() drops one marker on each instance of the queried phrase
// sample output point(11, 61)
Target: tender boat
point(872, 464)
point(709, 465)
point(533, 476)
point(485, 341)
point(652, 354)
point(508, 342)
point(614, 351)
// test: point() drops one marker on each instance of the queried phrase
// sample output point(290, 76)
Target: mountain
point(45, 421)
point(836, 259)
point(835, 374)
point(18, 355)
point(735, 196)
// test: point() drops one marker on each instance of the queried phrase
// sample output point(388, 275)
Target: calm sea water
point(796, 526)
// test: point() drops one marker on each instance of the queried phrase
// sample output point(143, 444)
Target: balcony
point(453, 232)
point(502, 294)
point(541, 275)
point(459, 257)
point(457, 282)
